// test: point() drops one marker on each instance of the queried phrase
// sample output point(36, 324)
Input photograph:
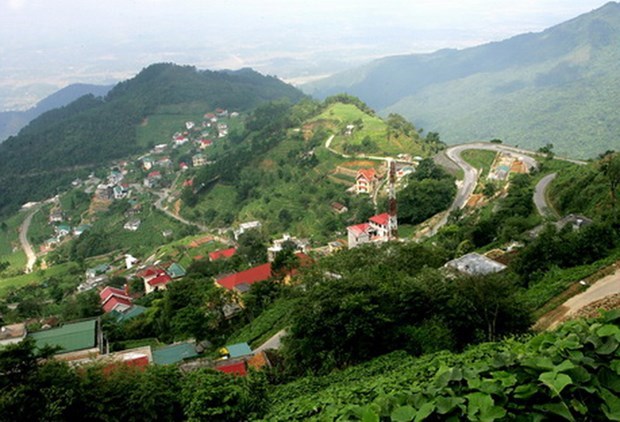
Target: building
point(76, 340)
point(375, 230)
point(113, 299)
point(366, 181)
point(474, 264)
point(299, 245)
point(174, 353)
point(199, 160)
point(222, 253)
point(132, 225)
point(243, 227)
point(339, 208)
point(98, 270)
point(154, 278)
point(175, 271)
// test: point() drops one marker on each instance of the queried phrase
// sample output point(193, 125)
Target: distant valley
point(11, 122)
point(560, 86)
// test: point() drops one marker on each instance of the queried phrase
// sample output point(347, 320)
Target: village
point(156, 177)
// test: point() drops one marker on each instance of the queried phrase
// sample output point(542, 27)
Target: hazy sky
point(47, 44)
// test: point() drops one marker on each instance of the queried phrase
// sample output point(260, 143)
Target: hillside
point(12, 121)
point(559, 86)
point(67, 142)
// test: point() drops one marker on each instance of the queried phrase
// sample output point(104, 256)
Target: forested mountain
point(559, 86)
point(12, 121)
point(53, 148)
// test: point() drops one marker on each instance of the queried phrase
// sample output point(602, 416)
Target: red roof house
point(381, 219)
point(224, 253)
point(113, 299)
point(157, 283)
point(236, 368)
point(365, 180)
point(251, 276)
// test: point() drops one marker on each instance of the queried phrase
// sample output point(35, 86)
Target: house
point(174, 353)
point(158, 149)
point(11, 334)
point(98, 270)
point(366, 181)
point(236, 350)
point(152, 179)
point(220, 112)
point(189, 125)
point(154, 278)
point(199, 160)
point(132, 225)
point(183, 166)
point(115, 177)
point(56, 216)
point(164, 162)
point(180, 140)
point(474, 264)
point(375, 230)
point(222, 253)
point(222, 130)
point(104, 192)
point(176, 271)
point(62, 230)
point(339, 208)
point(147, 163)
point(130, 261)
point(126, 315)
point(113, 299)
point(235, 368)
point(139, 357)
point(349, 130)
point(299, 245)
point(120, 192)
point(247, 277)
point(76, 340)
point(234, 114)
point(205, 143)
point(243, 227)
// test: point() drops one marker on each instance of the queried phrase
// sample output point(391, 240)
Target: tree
point(610, 167)
point(253, 247)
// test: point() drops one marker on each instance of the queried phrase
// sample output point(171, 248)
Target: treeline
point(93, 131)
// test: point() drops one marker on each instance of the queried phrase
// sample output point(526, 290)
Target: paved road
point(540, 196)
point(163, 195)
point(25, 243)
point(273, 343)
point(606, 286)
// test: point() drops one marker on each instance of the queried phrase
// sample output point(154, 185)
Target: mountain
point(560, 86)
point(12, 121)
point(55, 147)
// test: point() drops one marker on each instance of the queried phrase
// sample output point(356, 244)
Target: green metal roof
point(70, 337)
point(174, 353)
point(239, 349)
point(176, 270)
point(132, 312)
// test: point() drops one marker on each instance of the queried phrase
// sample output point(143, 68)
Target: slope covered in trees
point(65, 142)
point(558, 86)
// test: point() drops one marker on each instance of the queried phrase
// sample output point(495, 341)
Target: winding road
point(540, 196)
point(25, 243)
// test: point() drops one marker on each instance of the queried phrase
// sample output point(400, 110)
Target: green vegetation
point(480, 159)
point(66, 143)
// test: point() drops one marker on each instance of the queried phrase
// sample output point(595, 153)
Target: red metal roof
point(224, 253)
point(251, 276)
point(367, 174)
point(159, 280)
point(150, 272)
point(114, 301)
point(154, 174)
point(237, 368)
point(359, 228)
point(109, 290)
point(381, 219)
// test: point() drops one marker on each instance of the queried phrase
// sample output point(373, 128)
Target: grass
point(406, 231)
point(40, 228)
point(159, 128)
point(36, 277)
point(373, 127)
point(268, 323)
point(480, 159)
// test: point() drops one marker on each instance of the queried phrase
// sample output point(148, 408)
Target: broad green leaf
point(564, 366)
point(506, 378)
point(539, 362)
point(611, 316)
point(556, 382)
point(492, 413)
point(525, 391)
point(581, 408)
point(403, 414)
point(425, 411)
point(608, 347)
point(611, 408)
point(366, 414)
point(609, 330)
point(447, 404)
point(615, 366)
point(559, 409)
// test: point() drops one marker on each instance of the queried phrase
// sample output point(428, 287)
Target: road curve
point(540, 196)
point(25, 243)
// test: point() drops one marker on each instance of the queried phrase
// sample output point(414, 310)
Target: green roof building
point(69, 337)
point(176, 271)
point(130, 313)
point(175, 353)
point(238, 350)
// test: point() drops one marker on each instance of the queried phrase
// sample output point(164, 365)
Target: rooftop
point(70, 337)
point(475, 264)
point(238, 350)
point(174, 353)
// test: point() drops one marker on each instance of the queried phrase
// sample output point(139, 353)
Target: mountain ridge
point(581, 52)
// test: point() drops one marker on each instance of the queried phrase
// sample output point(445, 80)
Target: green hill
point(559, 86)
point(64, 143)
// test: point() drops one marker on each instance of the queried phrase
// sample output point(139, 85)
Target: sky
point(48, 44)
